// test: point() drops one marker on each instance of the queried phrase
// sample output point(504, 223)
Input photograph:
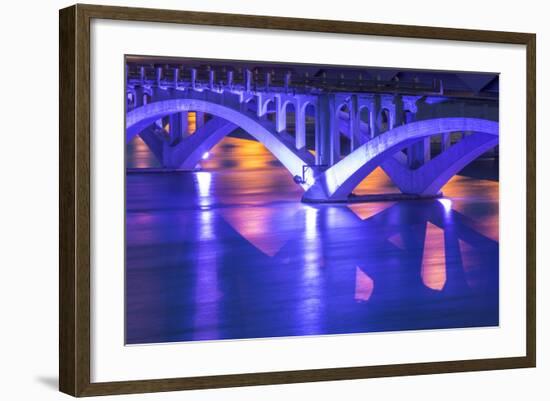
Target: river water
point(230, 252)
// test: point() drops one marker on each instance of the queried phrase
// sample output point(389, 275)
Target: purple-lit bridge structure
point(386, 118)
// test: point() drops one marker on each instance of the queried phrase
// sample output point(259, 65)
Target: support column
point(142, 74)
point(200, 118)
point(335, 152)
point(374, 114)
point(138, 93)
point(193, 78)
point(158, 75)
point(300, 124)
point(230, 79)
point(388, 103)
point(398, 111)
point(259, 105)
point(158, 93)
point(354, 124)
point(323, 130)
point(178, 127)
point(287, 80)
point(176, 77)
point(445, 141)
point(211, 78)
point(247, 80)
point(419, 153)
point(280, 114)
point(391, 120)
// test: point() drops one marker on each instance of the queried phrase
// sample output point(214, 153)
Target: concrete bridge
point(390, 124)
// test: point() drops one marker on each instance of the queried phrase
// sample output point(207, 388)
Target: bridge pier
point(280, 114)
point(418, 153)
point(387, 103)
point(263, 110)
point(324, 124)
point(445, 141)
point(281, 118)
point(375, 112)
point(178, 127)
point(199, 119)
point(300, 124)
point(138, 96)
point(356, 138)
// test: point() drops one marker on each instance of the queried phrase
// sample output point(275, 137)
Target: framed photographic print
point(312, 200)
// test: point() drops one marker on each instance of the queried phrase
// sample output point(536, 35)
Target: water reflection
point(138, 155)
point(309, 316)
point(364, 286)
point(231, 252)
point(433, 269)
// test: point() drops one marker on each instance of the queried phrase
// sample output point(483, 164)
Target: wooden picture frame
point(74, 203)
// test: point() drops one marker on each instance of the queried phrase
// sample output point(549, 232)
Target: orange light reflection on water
point(433, 270)
point(254, 224)
point(237, 157)
point(376, 182)
point(364, 285)
point(139, 154)
point(472, 197)
point(369, 209)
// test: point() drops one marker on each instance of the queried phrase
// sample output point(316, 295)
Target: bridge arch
point(337, 182)
point(281, 115)
point(428, 179)
point(229, 118)
point(269, 107)
point(290, 115)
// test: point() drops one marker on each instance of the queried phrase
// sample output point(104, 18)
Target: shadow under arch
point(229, 116)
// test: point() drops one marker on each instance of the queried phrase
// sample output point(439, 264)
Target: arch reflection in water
point(230, 252)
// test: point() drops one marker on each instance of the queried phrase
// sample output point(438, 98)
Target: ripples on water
point(230, 252)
